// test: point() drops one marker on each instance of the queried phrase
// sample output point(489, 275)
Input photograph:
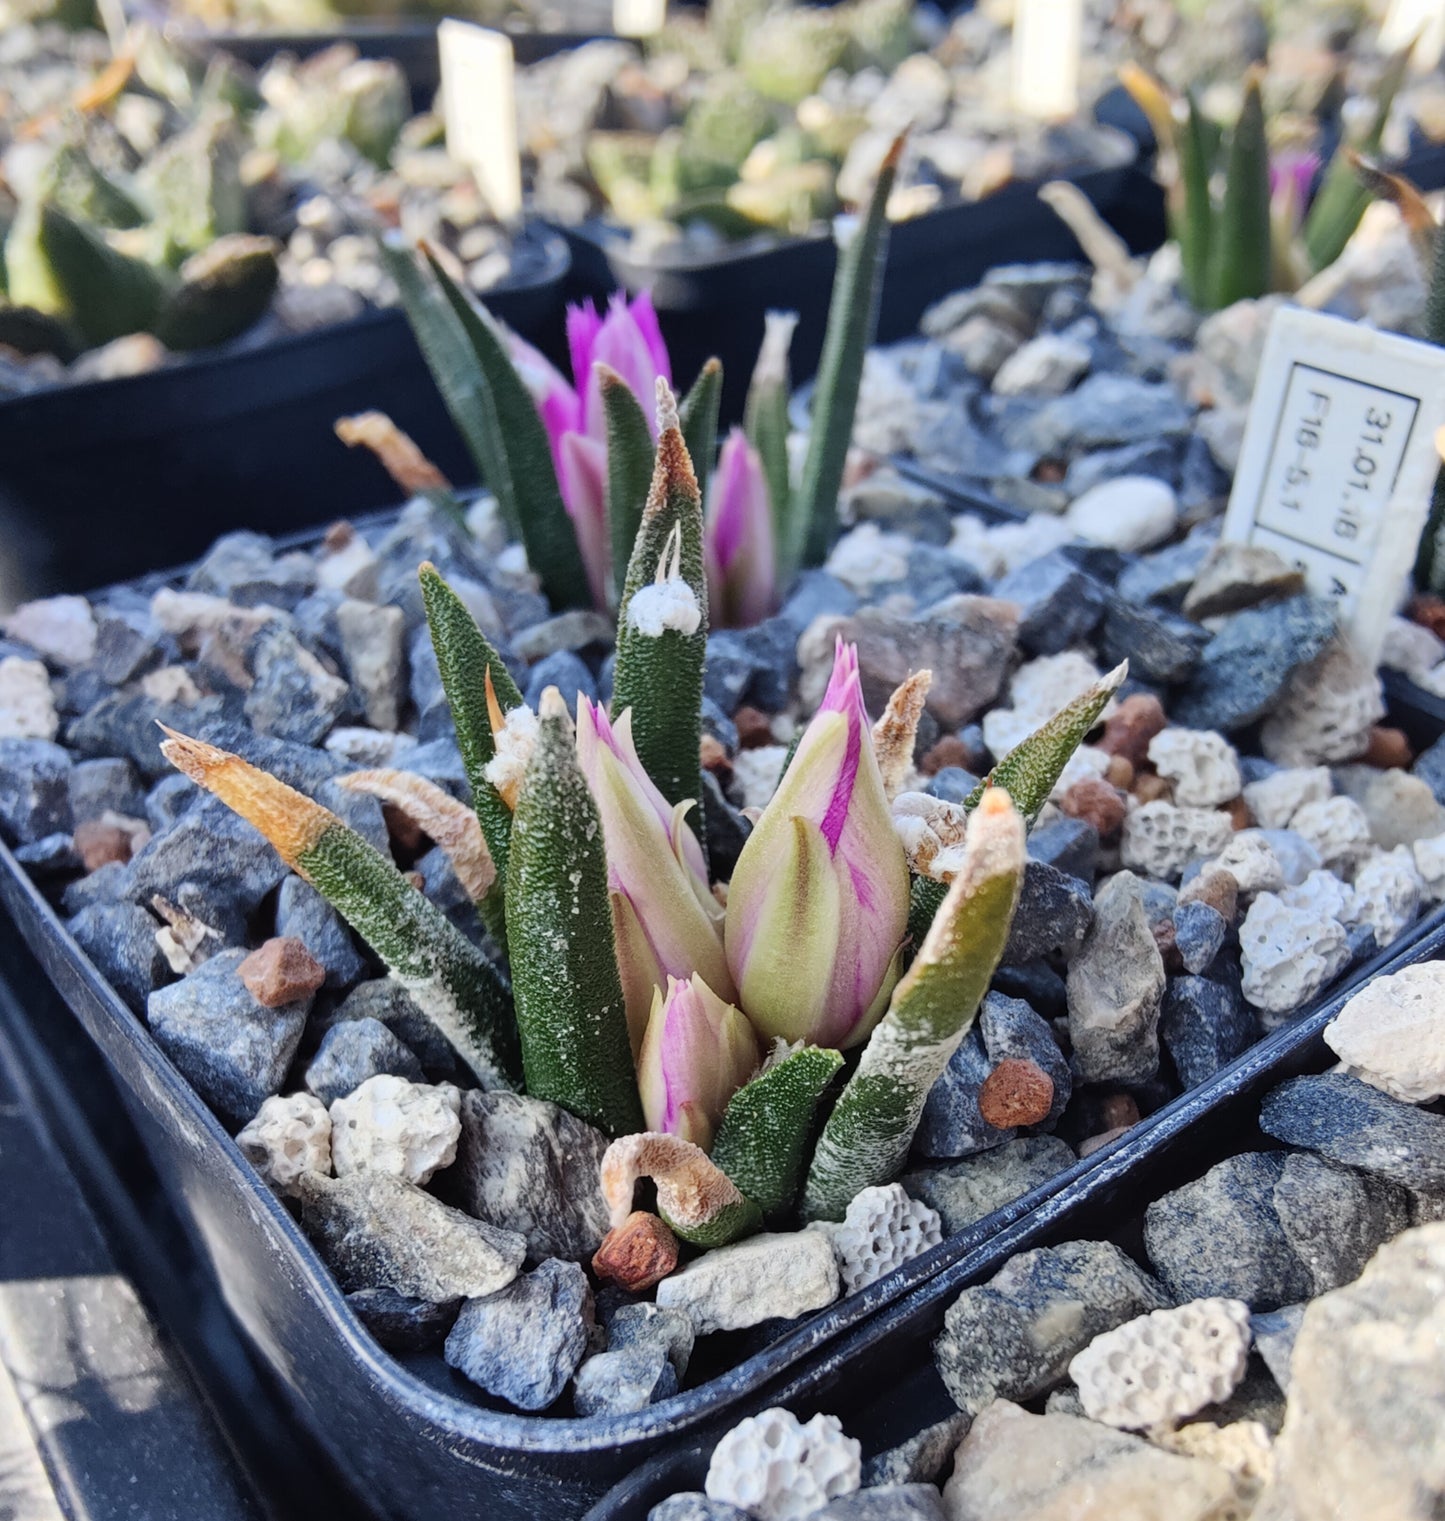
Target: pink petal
point(583, 324)
point(582, 475)
point(644, 314)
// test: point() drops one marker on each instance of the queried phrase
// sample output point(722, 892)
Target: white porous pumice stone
point(1164, 1366)
point(391, 1125)
point(1338, 828)
point(289, 1136)
point(1391, 1034)
point(1250, 859)
point(1430, 863)
point(1276, 799)
point(1160, 840)
point(1326, 713)
point(1201, 764)
point(1288, 954)
point(882, 1230)
point(777, 1469)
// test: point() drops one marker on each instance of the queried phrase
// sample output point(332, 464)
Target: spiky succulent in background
point(1245, 221)
point(634, 999)
point(570, 461)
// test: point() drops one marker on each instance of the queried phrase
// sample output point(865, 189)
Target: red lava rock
point(1131, 726)
point(416, 879)
point(99, 843)
point(1016, 1092)
point(1096, 802)
point(338, 536)
point(639, 1253)
point(1050, 471)
point(1119, 1111)
point(1149, 788)
point(1388, 749)
point(1429, 611)
point(712, 756)
point(1239, 814)
point(1120, 773)
point(755, 729)
point(948, 751)
point(281, 971)
point(1097, 1142)
point(1163, 933)
point(1217, 887)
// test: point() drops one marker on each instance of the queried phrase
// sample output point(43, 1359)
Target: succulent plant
point(634, 1002)
point(1245, 224)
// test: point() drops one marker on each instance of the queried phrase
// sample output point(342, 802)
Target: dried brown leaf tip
point(896, 733)
point(396, 451)
point(288, 819)
point(438, 814)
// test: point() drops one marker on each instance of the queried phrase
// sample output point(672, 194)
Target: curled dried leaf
point(692, 1190)
point(896, 732)
point(396, 451)
point(436, 813)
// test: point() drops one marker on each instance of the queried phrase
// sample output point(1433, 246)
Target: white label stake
point(1339, 461)
point(479, 105)
point(1047, 38)
point(638, 18)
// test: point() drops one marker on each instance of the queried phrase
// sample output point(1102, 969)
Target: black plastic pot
point(902, 1394)
point(105, 480)
point(716, 307)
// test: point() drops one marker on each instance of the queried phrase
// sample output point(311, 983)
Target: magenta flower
point(665, 920)
point(818, 905)
point(738, 538)
point(628, 340)
point(1291, 173)
point(697, 1052)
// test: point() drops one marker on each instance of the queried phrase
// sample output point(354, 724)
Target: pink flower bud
point(738, 538)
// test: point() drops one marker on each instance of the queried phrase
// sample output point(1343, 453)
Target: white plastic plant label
point(1421, 21)
point(1047, 39)
point(638, 18)
point(1338, 461)
point(479, 106)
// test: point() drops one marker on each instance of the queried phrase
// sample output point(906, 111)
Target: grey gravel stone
point(693, 1505)
point(1160, 646)
point(1351, 1122)
point(105, 785)
point(1061, 604)
point(351, 1052)
point(1204, 1025)
point(212, 849)
point(952, 783)
point(650, 1325)
point(1069, 845)
point(623, 1382)
point(294, 696)
point(120, 938)
point(1105, 409)
point(523, 1342)
point(375, 1230)
point(233, 1050)
point(384, 999)
point(532, 1167)
point(565, 671)
point(1115, 986)
point(922, 1459)
point(889, 1502)
point(1011, 1028)
point(1246, 666)
point(952, 1125)
point(403, 1324)
point(34, 790)
point(301, 912)
point(814, 593)
point(1013, 1337)
point(54, 855)
point(168, 800)
point(1430, 768)
point(965, 1192)
point(373, 646)
point(1274, 1337)
point(129, 642)
point(1053, 915)
point(1336, 1218)
point(126, 725)
point(1199, 931)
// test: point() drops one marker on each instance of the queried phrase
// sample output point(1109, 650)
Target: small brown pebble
point(948, 751)
point(281, 971)
point(1131, 726)
point(1016, 1092)
point(1096, 802)
point(1216, 886)
point(1120, 773)
point(1050, 472)
point(1118, 1111)
point(99, 843)
point(1098, 1142)
point(416, 879)
point(1388, 750)
point(406, 834)
point(338, 536)
point(755, 729)
point(1239, 814)
point(1163, 933)
point(1149, 788)
point(1429, 612)
point(711, 754)
point(639, 1253)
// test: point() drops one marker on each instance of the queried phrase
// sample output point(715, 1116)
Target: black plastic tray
point(106, 480)
point(412, 1434)
point(715, 308)
point(902, 1393)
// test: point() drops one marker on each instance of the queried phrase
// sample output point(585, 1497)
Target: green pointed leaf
point(464, 657)
point(522, 475)
point(1430, 561)
point(867, 1136)
point(1194, 221)
point(1240, 260)
point(698, 414)
point(765, 414)
point(1030, 770)
point(570, 1010)
point(925, 898)
point(762, 1144)
point(629, 469)
point(659, 675)
point(852, 322)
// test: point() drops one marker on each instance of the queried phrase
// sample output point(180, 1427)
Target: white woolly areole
point(666, 406)
point(664, 605)
point(515, 741)
point(777, 1469)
